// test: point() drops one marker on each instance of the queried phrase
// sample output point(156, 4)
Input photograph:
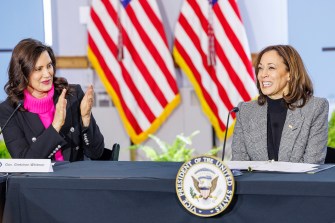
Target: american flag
point(211, 48)
point(128, 48)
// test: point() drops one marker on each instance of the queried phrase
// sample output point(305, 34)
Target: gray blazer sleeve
point(316, 146)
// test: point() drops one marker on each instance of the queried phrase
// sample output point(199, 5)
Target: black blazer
point(26, 137)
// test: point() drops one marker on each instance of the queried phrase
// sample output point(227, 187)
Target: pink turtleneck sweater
point(45, 108)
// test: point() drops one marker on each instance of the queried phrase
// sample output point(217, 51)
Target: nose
point(46, 72)
point(263, 73)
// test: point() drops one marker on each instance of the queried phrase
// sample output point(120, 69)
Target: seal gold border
point(211, 164)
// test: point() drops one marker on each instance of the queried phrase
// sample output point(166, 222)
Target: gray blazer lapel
point(291, 129)
point(258, 133)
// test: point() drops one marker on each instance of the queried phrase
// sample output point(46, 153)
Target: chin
point(266, 93)
point(46, 88)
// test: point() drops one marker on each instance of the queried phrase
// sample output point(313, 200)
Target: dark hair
point(300, 85)
point(22, 64)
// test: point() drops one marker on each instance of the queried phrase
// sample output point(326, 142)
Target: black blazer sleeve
point(92, 139)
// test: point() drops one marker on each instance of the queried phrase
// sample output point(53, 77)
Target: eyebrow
point(267, 64)
point(43, 65)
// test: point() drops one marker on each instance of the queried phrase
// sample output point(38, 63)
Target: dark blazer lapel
point(258, 132)
point(291, 130)
point(34, 122)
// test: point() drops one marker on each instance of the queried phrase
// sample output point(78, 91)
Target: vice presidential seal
point(205, 186)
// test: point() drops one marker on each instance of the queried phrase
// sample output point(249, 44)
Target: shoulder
point(75, 87)
point(315, 107)
point(319, 100)
point(249, 110)
point(6, 106)
point(248, 106)
point(76, 91)
point(316, 103)
point(5, 110)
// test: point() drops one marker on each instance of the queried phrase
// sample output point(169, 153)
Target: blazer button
point(71, 129)
point(33, 139)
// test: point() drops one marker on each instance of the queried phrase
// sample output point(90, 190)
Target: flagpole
point(213, 138)
point(120, 37)
point(211, 46)
point(133, 152)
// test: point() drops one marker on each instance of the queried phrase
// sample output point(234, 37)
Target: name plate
point(25, 165)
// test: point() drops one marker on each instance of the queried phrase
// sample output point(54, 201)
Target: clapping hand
point(86, 106)
point(60, 113)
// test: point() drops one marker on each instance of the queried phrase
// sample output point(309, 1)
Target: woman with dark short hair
point(286, 123)
point(55, 119)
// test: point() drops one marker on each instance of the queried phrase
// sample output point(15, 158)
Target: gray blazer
point(304, 137)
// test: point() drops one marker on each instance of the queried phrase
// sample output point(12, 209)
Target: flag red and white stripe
point(128, 48)
point(229, 79)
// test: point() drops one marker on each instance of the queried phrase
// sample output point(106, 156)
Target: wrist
point(56, 127)
point(86, 120)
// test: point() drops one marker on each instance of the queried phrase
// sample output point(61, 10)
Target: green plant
point(178, 151)
point(331, 131)
point(4, 154)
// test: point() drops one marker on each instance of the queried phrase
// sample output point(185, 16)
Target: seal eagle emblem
point(205, 186)
point(204, 182)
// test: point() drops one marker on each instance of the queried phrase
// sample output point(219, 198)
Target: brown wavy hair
point(22, 64)
point(300, 85)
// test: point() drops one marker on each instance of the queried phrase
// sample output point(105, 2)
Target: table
point(107, 191)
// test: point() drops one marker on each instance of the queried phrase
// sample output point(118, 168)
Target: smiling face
point(272, 75)
point(41, 78)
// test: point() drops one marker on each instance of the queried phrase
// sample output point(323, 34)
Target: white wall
point(266, 22)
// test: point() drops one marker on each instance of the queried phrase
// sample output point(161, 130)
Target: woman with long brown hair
point(54, 119)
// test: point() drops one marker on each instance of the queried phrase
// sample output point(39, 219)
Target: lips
point(46, 82)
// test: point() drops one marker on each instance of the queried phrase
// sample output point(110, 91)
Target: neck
point(36, 94)
point(38, 105)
